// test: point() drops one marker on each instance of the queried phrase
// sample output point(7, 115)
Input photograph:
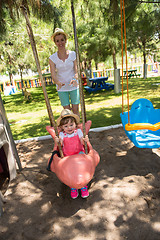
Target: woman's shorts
point(69, 97)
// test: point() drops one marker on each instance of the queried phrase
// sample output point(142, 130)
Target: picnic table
point(131, 73)
point(98, 83)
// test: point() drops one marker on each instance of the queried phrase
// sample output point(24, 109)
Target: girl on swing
point(72, 141)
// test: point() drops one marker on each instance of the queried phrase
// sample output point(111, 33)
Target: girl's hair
point(66, 120)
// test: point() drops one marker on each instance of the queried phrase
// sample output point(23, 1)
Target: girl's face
point(69, 127)
point(60, 41)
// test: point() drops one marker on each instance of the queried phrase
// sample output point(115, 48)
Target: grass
point(29, 119)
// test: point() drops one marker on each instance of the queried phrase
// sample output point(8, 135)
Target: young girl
point(72, 141)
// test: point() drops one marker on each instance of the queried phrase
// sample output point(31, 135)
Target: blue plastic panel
point(142, 111)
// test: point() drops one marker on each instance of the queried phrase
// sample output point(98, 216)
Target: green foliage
point(98, 29)
point(42, 9)
point(142, 29)
point(16, 52)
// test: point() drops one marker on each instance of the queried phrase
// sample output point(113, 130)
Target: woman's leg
point(75, 109)
point(67, 107)
point(74, 95)
point(64, 98)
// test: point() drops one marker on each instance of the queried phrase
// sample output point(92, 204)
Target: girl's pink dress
point(72, 145)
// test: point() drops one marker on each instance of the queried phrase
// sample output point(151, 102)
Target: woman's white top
point(64, 70)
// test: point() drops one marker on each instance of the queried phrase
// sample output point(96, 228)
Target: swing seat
point(77, 170)
point(144, 127)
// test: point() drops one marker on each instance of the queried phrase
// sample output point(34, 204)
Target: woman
point(63, 68)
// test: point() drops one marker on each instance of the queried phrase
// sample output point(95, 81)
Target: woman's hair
point(66, 120)
point(58, 35)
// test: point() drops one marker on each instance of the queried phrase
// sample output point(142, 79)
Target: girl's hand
point(56, 139)
point(86, 139)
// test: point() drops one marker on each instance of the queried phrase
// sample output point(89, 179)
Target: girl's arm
point(53, 74)
point(58, 140)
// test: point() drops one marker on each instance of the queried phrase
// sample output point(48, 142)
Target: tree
point(17, 47)
point(142, 31)
point(41, 9)
point(45, 10)
point(98, 28)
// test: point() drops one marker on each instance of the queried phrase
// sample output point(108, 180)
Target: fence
point(33, 83)
point(30, 83)
point(110, 72)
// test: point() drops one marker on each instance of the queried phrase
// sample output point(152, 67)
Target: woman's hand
point(60, 85)
point(74, 82)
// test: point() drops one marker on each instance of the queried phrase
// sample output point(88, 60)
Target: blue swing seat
point(142, 111)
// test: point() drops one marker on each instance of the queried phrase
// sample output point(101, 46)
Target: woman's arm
point(53, 74)
point(75, 69)
point(74, 81)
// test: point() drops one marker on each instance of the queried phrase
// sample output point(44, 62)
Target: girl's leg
point(74, 193)
point(84, 192)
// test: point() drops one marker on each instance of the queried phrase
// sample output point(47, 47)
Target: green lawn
point(103, 108)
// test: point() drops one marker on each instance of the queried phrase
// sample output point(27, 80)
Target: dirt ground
point(124, 201)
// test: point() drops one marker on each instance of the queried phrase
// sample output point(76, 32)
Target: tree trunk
point(89, 65)
point(21, 81)
point(10, 77)
point(144, 60)
point(114, 58)
point(96, 65)
point(144, 57)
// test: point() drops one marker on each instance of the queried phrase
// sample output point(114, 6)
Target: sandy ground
point(124, 201)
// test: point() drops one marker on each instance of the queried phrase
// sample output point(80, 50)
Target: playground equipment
point(144, 128)
point(7, 161)
point(92, 155)
point(9, 89)
point(77, 170)
point(27, 95)
point(141, 123)
point(8, 152)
